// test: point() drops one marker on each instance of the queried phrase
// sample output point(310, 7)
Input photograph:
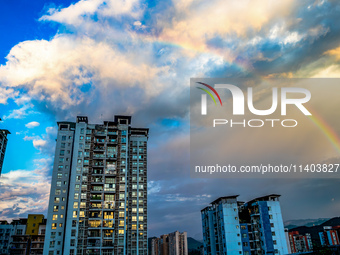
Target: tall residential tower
point(98, 199)
point(3, 145)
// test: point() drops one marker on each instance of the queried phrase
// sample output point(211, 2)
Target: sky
point(60, 59)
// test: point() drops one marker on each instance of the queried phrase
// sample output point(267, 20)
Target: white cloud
point(80, 12)
point(32, 124)
point(19, 113)
point(56, 70)
point(44, 143)
point(24, 191)
point(6, 93)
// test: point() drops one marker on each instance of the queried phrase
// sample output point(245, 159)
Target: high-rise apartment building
point(175, 243)
point(178, 243)
point(3, 145)
point(233, 227)
point(98, 199)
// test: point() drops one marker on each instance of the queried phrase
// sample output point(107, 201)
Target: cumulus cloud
point(6, 93)
point(32, 124)
point(24, 192)
point(44, 143)
point(81, 11)
point(120, 57)
point(19, 113)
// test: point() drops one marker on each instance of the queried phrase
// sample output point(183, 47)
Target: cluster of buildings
point(175, 243)
point(23, 236)
point(98, 205)
point(330, 236)
point(234, 227)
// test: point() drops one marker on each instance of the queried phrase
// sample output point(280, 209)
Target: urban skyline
point(62, 59)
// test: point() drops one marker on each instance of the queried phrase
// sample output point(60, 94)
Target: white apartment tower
point(98, 199)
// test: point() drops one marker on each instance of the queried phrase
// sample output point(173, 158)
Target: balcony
point(100, 156)
point(111, 141)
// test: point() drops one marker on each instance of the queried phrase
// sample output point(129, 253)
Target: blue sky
point(60, 59)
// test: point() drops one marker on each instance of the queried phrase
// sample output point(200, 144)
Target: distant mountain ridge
point(193, 244)
point(304, 222)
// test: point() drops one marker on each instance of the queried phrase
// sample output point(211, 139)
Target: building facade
point(330, 236)
point(178, 243)
point(175, 243)
point(98, 199)
point(23, 236)
point(3, 145)
point(233, 227)
point(300, 243)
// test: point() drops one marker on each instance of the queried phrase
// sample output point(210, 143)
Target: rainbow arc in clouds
point(326, 129)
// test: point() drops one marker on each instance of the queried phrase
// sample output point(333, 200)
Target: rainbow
point(326, 129)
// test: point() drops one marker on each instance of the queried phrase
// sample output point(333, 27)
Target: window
point(62, 145)
point(57, 192)
point(52, 244)
point(63, 138)
point(272, 225)
point(72, 242)
point(55, 217)
point(55, 208)
point(54, 225)
point(62, 152)
point(61, 160)
point(76, 195)
point(273, 233)
point(274, 241)
point(73, 232)
point(75, 205)
point(58, 183)
point(75, 214)
point(60, 168)
point(60, 225)
point(56, 200)
point(60, 175)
